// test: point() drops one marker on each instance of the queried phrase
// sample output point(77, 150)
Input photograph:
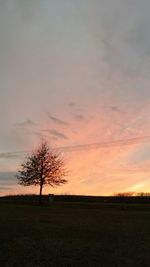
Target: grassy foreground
point(75, 234)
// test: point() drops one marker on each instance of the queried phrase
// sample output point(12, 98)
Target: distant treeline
point(119, 198)
point(104, 199)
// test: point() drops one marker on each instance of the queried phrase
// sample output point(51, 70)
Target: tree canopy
point(44, 166)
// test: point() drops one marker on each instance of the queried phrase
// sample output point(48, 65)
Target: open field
point(75, 234)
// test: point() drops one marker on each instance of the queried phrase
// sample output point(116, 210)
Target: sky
point(77, 73)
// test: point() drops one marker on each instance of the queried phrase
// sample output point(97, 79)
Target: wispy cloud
point(57, 134)
point(115, 143)
point(97, 68)
point(4, 188)
point(25, 123)
point(7, 178)
point(57, 120)
point(115, 109)
point(10, 155)
point(118, 143)
point(79, 117)
point(72, 104)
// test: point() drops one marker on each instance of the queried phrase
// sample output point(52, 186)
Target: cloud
point(10, 155)
point(9, 184)
point(7, 178)
point(72, 104)
point(115, 109)
point(91, 146)
point(25, 123)
point(99, 62)
point(57, 121)
point(57, 134)
point(117, 143)
point(4, 188)
point(78, 117)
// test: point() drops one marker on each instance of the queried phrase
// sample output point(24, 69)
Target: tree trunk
point(40, 195)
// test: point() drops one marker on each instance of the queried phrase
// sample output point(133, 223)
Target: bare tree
point(42, 167)
point(124, 194)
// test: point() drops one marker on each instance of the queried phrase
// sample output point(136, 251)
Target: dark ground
point(75, 234)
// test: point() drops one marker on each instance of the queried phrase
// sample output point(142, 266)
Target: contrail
point(120, 142)
point(132, 141)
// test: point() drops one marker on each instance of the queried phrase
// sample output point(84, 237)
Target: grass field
point(75, 234)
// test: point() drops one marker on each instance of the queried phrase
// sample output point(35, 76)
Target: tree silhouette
point(42, 167)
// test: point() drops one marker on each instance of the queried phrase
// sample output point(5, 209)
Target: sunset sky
point(77, 72)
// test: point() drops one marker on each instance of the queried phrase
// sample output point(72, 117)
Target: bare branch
point(42, 167)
